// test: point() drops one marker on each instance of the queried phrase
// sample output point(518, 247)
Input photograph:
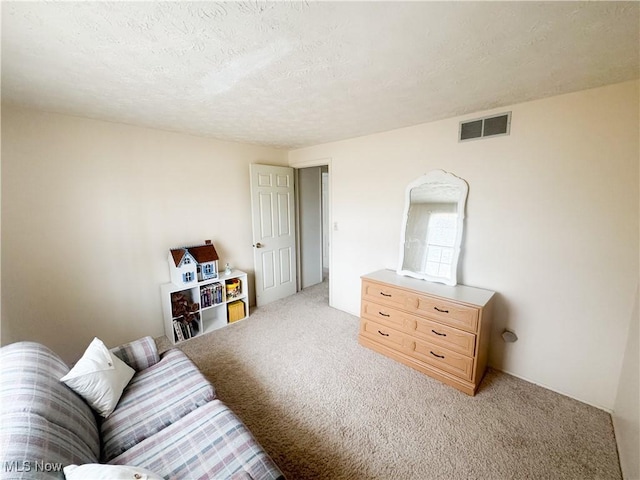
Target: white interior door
point(274, 254)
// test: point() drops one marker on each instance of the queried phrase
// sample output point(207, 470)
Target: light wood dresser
point(440, 330)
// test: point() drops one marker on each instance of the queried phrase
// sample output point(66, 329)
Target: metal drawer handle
point(436, 355)
point(384, 314)
point(385, 294)
point(441, 311)
point(441, 334)
point(383, 334)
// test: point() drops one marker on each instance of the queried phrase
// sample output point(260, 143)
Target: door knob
point(258, 245)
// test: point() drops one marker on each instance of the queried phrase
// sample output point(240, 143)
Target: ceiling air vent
point(485, 127)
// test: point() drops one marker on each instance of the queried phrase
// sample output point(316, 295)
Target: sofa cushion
point(211, 442)
point(42, 421)
point(139, 354)
point(154, 399)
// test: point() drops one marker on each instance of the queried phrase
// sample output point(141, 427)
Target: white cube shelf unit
point(207, 303)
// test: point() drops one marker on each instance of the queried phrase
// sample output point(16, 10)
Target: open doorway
point(313, 240)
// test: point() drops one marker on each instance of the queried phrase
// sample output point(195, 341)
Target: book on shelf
point(205, 296)
point(195, 328)
point(178, 331)
point(184, 330)
point(211, 295)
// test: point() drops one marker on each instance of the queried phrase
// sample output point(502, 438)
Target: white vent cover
point(492, 126)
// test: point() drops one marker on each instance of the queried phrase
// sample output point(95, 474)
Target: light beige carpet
point(325, 407)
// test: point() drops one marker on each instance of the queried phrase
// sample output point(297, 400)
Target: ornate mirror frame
point(432, 227)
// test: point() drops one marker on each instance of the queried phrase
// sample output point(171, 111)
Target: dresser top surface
point(460, 293)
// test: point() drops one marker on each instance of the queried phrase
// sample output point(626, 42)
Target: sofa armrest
point(139, 354)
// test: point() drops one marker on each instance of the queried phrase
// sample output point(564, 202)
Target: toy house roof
point(178, 254)
point(204, 253)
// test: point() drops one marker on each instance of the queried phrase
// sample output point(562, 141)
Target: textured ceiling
point(292, 74)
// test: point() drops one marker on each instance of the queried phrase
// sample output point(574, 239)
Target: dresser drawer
point(386, 315)
point(414, 325)
point(444, 359)
point(447, 337)
point(382, 294)
point(453, 314)
point(382, 334)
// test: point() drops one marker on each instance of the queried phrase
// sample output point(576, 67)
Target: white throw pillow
point(96, 471)
point(99, 377)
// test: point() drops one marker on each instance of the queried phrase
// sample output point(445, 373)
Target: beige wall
point(89, 211)
point(552, 226)
point(90, 208)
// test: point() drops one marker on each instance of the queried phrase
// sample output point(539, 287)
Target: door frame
point(318, 162)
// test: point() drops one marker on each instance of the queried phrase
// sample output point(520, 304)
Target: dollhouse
point(190, 264)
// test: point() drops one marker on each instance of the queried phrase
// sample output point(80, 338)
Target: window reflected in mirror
point(441, 235)
point(432, 227)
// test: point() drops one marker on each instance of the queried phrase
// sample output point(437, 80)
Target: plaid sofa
point(168, 420)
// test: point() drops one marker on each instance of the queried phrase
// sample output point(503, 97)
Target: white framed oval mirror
point(432, 227)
